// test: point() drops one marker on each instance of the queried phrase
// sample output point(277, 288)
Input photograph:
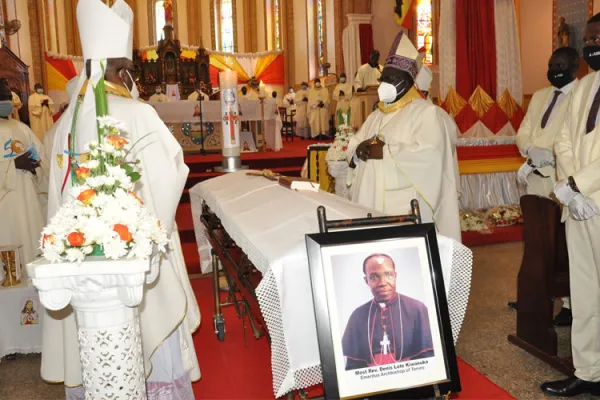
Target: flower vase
point(339, 170)
point(105, 295)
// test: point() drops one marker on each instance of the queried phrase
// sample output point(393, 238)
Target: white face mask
point(6, 108)
point(387, 92)
point(317, 85)
point(135, 94)
point(343, 80)
point(40, 91)
point(158, 91)
point(291, 90)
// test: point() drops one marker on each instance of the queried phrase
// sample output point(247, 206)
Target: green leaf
point(128, 168)
point(134, 177)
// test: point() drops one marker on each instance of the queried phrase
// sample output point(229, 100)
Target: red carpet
point(231, 370)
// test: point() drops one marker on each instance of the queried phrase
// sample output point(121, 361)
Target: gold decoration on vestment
point(409, 97)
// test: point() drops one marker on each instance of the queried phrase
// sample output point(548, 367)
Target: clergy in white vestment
point(342, 94)
point(318, 110)
point(404, 150)
point(16, 100)
point(158, 96)
point(22, 178)
point(169, 313)
point(40, 112)
point(196, 94)
point(302, 111)
point(289, 101)
point(369, 73)
point(577, 149)
point(544, 119)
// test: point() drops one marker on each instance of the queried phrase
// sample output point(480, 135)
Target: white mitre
point(424, 78)
point(105, 32)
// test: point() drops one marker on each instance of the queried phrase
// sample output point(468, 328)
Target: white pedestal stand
point(339, 170)
point(104, 295)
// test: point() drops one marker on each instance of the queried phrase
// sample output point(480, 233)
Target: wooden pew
point(544, 276)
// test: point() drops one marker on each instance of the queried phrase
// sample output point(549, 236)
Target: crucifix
point(230, 118)
point(385, 344)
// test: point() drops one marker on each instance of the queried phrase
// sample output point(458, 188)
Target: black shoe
point(513, 305)
point(563, 318)
point(570, 387)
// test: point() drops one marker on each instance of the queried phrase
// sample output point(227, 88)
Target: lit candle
point(228, 81)
point(262, 89)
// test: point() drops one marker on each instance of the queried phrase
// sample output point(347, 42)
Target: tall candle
point(230, 114)
point(262, 89)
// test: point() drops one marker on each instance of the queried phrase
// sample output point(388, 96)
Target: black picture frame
point(316, 242)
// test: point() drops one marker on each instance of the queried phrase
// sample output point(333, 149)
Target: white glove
point(563, 192)
point(582, 208)
point(541, 157)
point(523, 173)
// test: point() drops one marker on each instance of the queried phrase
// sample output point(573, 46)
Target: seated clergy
point(158, 96)
point(389, 328)
point(197, 93)
point(535, 139)
point(404, 150)
point(21, 182)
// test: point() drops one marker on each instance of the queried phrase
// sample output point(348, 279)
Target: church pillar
point(287, 30)
point(339, 28)
point(194, 25)
point(73, 42)
point(38, 48)
point(133, 5)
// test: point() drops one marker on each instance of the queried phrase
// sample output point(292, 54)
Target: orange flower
point(87, 196)
point(116, 141)
point(123, 232)
point(76, 239)
point(82, 173)
point(47, 239)
point(136, 197)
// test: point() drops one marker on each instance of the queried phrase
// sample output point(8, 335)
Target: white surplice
point(169, 313)
point(418, 163)
point(367, 76)
point(301, 113)
point(40, 117)
point(318, 117)
point(21, 210)
point(17, 104)
point(158, 98)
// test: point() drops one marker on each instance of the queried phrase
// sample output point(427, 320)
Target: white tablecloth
point(14, 336)
point(269, 223)
point(183, 111)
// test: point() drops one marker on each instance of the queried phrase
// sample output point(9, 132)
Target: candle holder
point(11, 260)
point(260, 135)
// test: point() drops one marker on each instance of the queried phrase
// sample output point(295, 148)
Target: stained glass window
point(159, 19)
point(277, 12)
point(321, 31)
point(227, 35)
point(425, 28)
point(2, 34)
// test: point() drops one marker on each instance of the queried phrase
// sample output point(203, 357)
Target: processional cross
point(230, 117)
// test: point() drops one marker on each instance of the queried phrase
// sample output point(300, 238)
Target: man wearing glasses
point(391, 327)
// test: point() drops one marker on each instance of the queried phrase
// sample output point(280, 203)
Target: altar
point(183, 120)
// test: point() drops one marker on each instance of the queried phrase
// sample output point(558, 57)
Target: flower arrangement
point(337, 152)
point(102, 215)
point(484, 221)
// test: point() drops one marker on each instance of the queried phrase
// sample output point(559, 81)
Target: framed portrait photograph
point(381, 313)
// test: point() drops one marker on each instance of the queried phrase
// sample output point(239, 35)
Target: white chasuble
point(40, 117)
point(318, 117)
point(17, 104)
point(367, 76)
point(418, 163)
point(21, 210)
point(169, 306)
point(301, 109)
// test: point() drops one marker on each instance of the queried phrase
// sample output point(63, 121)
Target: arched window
point(277, 17)
point(425, 28)
point(227, 35)
point(159, 19)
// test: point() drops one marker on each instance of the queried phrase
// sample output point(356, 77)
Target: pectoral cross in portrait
point(230, 118)
point(385, 344)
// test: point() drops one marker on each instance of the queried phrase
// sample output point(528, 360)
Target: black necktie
point(591, 121)
point(548, 112)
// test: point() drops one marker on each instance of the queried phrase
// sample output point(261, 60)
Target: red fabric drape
point(475, 47)
point(365, 32)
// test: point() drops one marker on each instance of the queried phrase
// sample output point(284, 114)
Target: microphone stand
point(202, 151)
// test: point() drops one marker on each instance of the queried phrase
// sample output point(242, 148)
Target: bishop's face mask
point(135, 94)
point(559, 79)
point(387, 92)
point(591, 55)
point(6, 108)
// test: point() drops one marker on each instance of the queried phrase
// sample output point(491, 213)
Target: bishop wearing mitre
point(169, 312)
point(403, 151)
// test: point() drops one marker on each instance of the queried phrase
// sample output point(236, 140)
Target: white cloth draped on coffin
point(250, 110)
point(269, 223)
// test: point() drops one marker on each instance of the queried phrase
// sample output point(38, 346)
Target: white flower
point(115, 248)
point(91, 164)
point(94, 152)
point(75, 255)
